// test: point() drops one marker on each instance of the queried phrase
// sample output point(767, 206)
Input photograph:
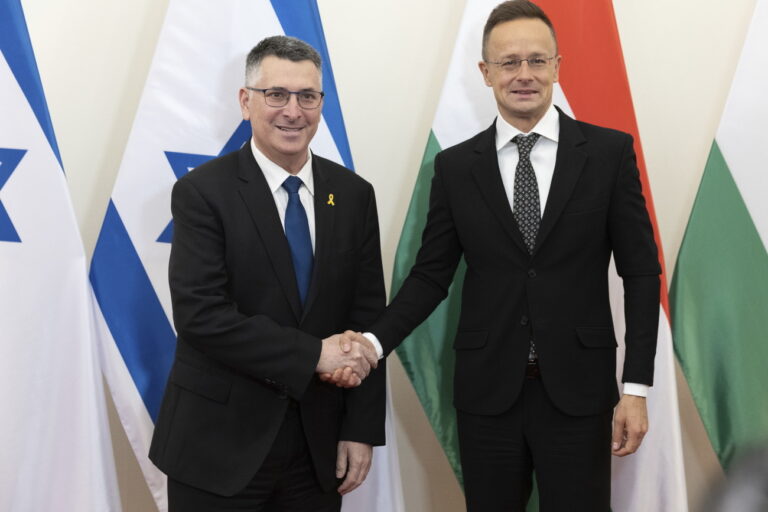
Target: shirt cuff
point(630, 388)
point(376, 344)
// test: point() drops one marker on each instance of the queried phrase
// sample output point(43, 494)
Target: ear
point(484, 70)
point(243, 97)
point(557, 67)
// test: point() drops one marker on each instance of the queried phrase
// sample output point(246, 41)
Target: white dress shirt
point(543, 154)
point(276, 175)
point(543, 157)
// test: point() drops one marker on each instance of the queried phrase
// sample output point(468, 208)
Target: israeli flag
point(189, 114)
point(55, 447)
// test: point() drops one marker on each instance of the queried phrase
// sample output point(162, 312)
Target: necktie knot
point(292, 184)
point(525, 143)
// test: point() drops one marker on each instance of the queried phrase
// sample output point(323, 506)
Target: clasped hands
point(346, 359)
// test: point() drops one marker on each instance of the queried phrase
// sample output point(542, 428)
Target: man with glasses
point(537, 204)
point(275, 249)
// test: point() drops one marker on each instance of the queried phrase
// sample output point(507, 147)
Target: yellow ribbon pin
point(330, 200)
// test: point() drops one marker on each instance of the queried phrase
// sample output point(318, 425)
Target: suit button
point(531, 273)
point(524, 320)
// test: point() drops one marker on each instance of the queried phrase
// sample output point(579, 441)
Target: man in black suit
point(536, 204)
point(274, 250)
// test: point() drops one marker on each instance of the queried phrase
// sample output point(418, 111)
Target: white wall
point(389, 58)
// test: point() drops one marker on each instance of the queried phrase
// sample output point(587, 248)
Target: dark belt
point(532, 369)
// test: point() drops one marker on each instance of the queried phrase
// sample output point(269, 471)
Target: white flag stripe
point(33, 194)
point(741, 116)
point(131, 410)
point(381, 491)
point(54, 432)
point(654, 477)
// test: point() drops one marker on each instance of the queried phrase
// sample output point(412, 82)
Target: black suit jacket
point(557, 296)
point(245, 344)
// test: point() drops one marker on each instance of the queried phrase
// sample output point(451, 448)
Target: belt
point(532, 370)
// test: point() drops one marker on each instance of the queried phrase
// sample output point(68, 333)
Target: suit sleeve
point(365, 406)
point(428, 282)
point(208, 319)
point(637, 262)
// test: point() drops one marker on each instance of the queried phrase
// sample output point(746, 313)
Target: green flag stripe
point(425, 354)
point(718, 297)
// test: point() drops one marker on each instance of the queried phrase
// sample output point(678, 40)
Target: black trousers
point(570, 455)
point(286, 482)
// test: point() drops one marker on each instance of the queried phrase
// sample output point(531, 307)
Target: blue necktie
point(297, 232)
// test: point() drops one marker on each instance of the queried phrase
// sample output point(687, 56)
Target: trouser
point(571, 456)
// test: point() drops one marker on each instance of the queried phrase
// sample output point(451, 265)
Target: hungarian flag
point(593, 88)
point(720, 288)
point(55, 445)
point(189, 114)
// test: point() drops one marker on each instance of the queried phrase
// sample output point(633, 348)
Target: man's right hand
point(353, 359)
point(344, 376)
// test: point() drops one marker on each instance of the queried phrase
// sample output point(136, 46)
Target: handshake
point(346, 359)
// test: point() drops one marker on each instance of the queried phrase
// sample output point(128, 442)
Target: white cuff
point(376, 344)
point(630, 388)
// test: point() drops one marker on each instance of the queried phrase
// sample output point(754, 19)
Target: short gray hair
point(282, 47)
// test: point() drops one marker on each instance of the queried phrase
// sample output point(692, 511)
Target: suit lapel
point(568, 166)
point(488, 177)
point(260, 203)
point(324, 221)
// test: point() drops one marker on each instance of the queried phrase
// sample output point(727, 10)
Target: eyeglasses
point(512, 65)
point(279, 97)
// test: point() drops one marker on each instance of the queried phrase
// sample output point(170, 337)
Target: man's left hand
point(353, 460)
point(630, 424)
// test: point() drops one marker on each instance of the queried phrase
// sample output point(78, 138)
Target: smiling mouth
point(524, 92)
point(289, 129)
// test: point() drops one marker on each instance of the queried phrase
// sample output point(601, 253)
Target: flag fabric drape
point(594, 88)
point(189, 114)
point(720, 286)
point(55, 445)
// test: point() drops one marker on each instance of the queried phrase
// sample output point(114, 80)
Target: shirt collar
point(276, 175)
point(548, 127)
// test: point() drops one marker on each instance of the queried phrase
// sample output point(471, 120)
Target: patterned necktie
point(526, 202)
point(297, 232)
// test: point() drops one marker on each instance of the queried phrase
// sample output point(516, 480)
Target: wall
point(389, 59)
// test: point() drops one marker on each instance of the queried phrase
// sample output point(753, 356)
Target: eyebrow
point(281, 88)
point(517, 56)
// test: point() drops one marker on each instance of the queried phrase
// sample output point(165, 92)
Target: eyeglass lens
point(280, 98)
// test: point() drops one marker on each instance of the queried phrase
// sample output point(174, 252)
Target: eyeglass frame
point(501, 63)
point(298, 102)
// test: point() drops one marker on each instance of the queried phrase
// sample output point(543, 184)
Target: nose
point(292, 108)
point(524, 73)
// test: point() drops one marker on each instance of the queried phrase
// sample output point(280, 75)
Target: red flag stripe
point(594, 79)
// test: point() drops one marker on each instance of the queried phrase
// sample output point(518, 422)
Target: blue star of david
point(9, 160)
point(182, 163)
